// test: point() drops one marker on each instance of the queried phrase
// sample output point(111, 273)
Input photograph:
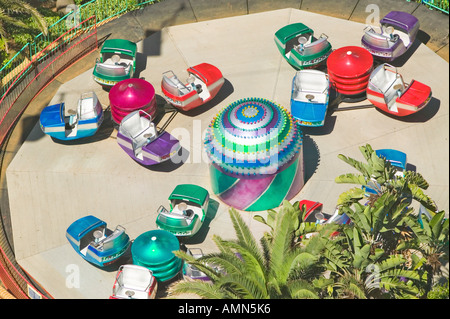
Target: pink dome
point(131, 95)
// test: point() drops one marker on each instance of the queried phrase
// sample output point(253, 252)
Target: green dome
point(154, 250)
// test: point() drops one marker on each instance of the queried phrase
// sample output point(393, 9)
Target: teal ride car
point(188, 207)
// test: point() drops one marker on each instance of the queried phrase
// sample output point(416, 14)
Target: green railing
point(441, 5)
point(437, 4)
point(102, 9)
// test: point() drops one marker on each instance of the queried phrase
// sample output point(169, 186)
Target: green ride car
point(117, 62)
point(188, 207)
point(297, 44)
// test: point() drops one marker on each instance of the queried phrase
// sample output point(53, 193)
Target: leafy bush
point(439, 292)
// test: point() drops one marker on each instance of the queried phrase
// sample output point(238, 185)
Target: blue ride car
point(397, 159)
point(69, 122)
point(97, 244)
point(310, 97)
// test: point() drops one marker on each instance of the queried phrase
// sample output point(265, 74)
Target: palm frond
point(351, 196)
point(283, 237)
point(37, 17)
point(244, 235)
point(199, 288)
point(245, 286)
point(360, 166)
point(302, 289)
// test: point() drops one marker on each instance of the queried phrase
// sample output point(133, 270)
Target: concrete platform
point(51, 184)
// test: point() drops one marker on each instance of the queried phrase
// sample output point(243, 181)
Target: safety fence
point(104, 10)
point(441, 5)
point(69, 47)
point(26, 75)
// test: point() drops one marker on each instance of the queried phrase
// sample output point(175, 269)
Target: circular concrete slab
point(65, 181)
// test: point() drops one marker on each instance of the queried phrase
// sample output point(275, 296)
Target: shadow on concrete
point(151, 46)
point(29, 123)
point(327, 128)
point(226, 90)
point(311, 157)
point(411, 167)
point(141, 64)
point(422, 37)
point(103, 132)
point(163, 286)
point(171, 20)
point(172, 164)
point(200, 237)
point(421, 116)
point(163, 108)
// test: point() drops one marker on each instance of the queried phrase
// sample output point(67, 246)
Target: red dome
point(131, 95)
point(350, 62)
point(349, 69)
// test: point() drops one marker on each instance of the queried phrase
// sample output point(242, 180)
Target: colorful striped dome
point(252, 136)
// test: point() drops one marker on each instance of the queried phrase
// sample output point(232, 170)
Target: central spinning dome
point(253, 137)
point(252, 144)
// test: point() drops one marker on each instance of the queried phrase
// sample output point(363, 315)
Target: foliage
point(274, 268)
point(442, 4)
point(439, 292)
point(387, 251)
point(385, 224)
point(15, 19)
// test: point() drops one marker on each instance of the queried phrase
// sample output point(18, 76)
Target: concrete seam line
point(193, 12)
point(441, 48)
point(301, 3)
point(178, 49)
point(137, 21)
point(354, 8)
point(417, 7)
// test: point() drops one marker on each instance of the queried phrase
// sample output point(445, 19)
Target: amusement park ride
point(353, 73)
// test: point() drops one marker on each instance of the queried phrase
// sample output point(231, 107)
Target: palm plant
point(361, 270)
point(388, 227)
point(243, 269)
point(386, 221)
point(300, 228)
point(7, 10)
point(429, 247)
point(380, 175)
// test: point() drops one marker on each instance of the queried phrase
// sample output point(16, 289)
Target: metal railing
point(28, 73)
point(441, 5)
point(68, 48)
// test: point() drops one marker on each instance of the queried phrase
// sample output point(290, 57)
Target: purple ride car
point(398, 31)
point(138, 137)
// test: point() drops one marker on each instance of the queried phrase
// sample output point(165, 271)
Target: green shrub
point(439, 292)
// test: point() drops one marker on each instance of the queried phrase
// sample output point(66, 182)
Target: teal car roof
point(113, 45)
point(189, 192)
